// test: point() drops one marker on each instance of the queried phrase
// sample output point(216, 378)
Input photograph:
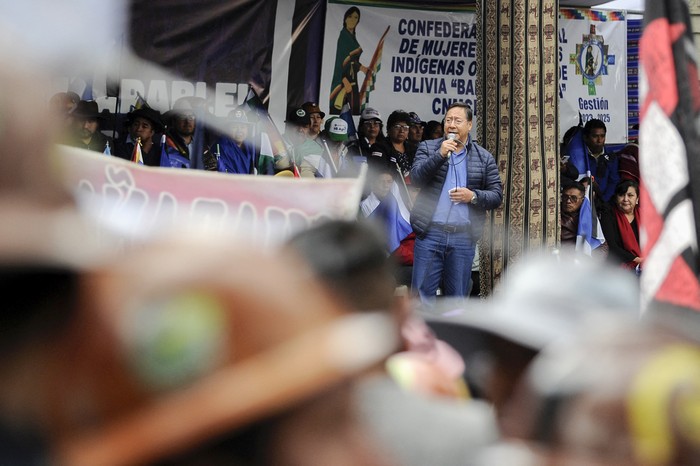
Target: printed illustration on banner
point(592, 60)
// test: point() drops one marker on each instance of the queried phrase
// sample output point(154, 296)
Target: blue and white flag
point(392, 213)
point(346, 115)
point(589, 235)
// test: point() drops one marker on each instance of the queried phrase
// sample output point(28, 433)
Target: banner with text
point(387, 58)
point(142, 201)
point(593, 70)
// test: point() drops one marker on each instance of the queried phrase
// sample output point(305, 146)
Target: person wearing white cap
point(330, 161)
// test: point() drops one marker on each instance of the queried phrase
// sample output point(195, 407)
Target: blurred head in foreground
point(162, 359)
point(603, 387)
point(350, 258)
point(625, 394)
point(541, 301)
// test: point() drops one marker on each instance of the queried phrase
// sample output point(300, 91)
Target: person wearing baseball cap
point(316, 116)
point(236, 153)
point(329, 161)
point(298, 125)
point(415, 130)
point(183, 147)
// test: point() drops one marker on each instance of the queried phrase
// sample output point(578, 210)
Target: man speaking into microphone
point(459, 182)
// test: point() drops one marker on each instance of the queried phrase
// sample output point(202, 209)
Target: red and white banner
point(142, 201)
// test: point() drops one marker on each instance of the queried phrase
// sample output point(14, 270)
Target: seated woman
point(620, 225)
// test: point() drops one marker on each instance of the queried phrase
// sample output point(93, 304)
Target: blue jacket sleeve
point(491, 196)
point(427, 162)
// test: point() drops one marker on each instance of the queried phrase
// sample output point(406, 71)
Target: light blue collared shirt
point(447, 211)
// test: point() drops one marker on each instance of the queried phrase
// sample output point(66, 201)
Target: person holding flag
point(387, 206)
point(179, 148)
point(142, 123)
point(236, 154)
point(588, 154)
point(274, 152)
point(583, 143)
point(325, 157)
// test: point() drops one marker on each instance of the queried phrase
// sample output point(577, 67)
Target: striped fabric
point(517, 115)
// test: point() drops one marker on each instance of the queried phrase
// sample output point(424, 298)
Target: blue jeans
point(442, 257)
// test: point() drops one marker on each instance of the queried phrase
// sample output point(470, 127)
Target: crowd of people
point(451, 180)
point(609, 183)
point(175, 352)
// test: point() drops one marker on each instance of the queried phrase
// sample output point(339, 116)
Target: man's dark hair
point(575, 185)
point(467, 109)
point(592, 124)
point(350, 257)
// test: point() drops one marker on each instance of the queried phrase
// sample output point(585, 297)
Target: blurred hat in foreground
point(546, 298)
point(173, 356)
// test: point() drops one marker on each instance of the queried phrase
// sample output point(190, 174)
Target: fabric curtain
point(518, 124)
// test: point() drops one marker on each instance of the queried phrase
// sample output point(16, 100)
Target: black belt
point(448, 228)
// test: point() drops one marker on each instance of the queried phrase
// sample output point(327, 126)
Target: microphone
point(451, 137)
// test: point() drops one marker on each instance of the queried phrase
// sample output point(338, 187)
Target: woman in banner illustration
point(344, 87)
point(591, 62)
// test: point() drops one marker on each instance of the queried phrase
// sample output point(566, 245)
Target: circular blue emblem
point(590, 59)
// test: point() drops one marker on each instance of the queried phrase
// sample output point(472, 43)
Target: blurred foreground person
point(500, 338)
point(169, 355)
point(618, 394)
point(414, 413)
point(603, 387)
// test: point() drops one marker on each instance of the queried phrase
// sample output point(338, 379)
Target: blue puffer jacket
point(429, 171)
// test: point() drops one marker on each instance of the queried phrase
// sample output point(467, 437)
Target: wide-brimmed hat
point(182, 107)
point(87, 109)
point(148, 113)
point(199, 352)
point(337, 129)
point(312, 107)
point(534, 313)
